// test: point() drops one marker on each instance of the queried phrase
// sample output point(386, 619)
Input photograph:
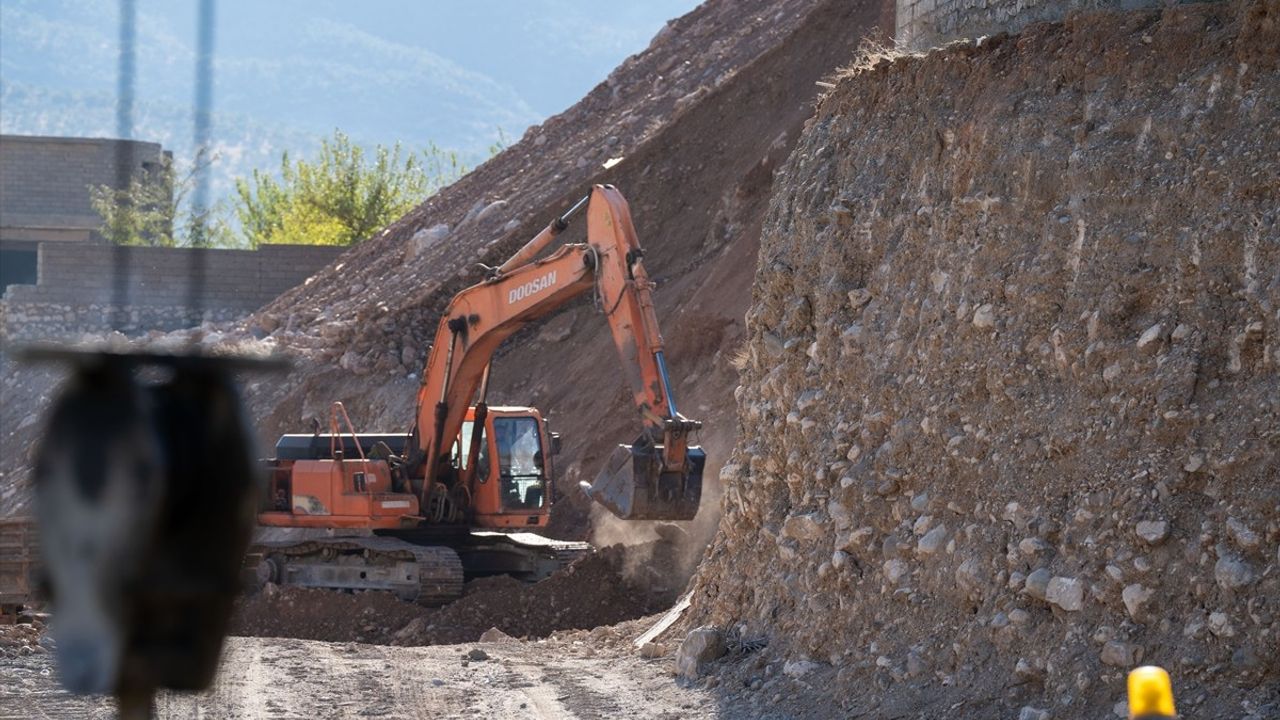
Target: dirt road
point(281, 678)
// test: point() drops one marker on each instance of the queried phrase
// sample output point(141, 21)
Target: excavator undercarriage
point(417, 565)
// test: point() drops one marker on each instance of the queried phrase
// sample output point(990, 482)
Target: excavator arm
point(658, 476)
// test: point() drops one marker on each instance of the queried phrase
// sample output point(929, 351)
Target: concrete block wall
point(45, 181)
point(73, 294)
point(922, 24)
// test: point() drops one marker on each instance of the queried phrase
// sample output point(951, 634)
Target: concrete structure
point(44, 192)
point(74, 290)
point(57, 273)
point(922, 24)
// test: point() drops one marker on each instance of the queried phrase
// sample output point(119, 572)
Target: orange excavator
point(416, 513)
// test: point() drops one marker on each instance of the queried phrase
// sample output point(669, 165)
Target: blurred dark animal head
point(99, 478)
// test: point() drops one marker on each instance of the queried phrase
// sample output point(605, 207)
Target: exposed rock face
point(1028, 292)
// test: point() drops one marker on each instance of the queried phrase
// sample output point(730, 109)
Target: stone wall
point(922, 24)
point(74, 292)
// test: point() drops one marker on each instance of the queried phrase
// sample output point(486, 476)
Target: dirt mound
point(1010, 397)
point(602, 588)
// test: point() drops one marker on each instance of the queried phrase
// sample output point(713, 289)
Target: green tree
point(154, 209)
point(342, 196)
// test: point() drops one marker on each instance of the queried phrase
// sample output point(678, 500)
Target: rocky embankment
point(1010, 407)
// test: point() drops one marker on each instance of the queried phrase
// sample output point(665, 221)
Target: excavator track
point(569, 552)
point(527, 556)
point(427, 575)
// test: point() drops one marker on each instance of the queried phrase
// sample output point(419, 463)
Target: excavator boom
point(659, 476)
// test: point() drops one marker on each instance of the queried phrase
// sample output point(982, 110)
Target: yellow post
point(1150, 694)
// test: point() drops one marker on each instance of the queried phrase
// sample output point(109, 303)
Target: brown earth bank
point(1009, 414)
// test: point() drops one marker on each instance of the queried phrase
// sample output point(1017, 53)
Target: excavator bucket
point(634, 487)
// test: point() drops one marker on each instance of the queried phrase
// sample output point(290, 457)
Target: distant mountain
point(287, 72)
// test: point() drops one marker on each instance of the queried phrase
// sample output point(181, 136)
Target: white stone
point(1232, 573)
point(932, 541)
point(1220, 625)
point(921, 525)
point(1135, 599)
point(1067, 593)
point(984, 317)
point(490, 209)
point(840, 516)
point(1118, 653)
point(1150, 335)
point(1032, 546)
point(1152, 532)
point(426, 238)
point(798, 668)
point(895, 570)
point(803, 527)
point(1242, 534)
point(700, 646)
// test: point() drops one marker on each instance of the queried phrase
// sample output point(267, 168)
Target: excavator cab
point(511, 477)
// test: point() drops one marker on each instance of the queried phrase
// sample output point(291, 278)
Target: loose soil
point(603, 588)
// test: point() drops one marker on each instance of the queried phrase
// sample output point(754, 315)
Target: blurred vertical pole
point(203, 126)
point(124, 158)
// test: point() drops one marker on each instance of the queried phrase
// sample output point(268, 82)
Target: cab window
point(519, 445)
point(462, 449)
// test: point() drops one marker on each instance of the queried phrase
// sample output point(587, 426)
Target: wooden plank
point(666, 621)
